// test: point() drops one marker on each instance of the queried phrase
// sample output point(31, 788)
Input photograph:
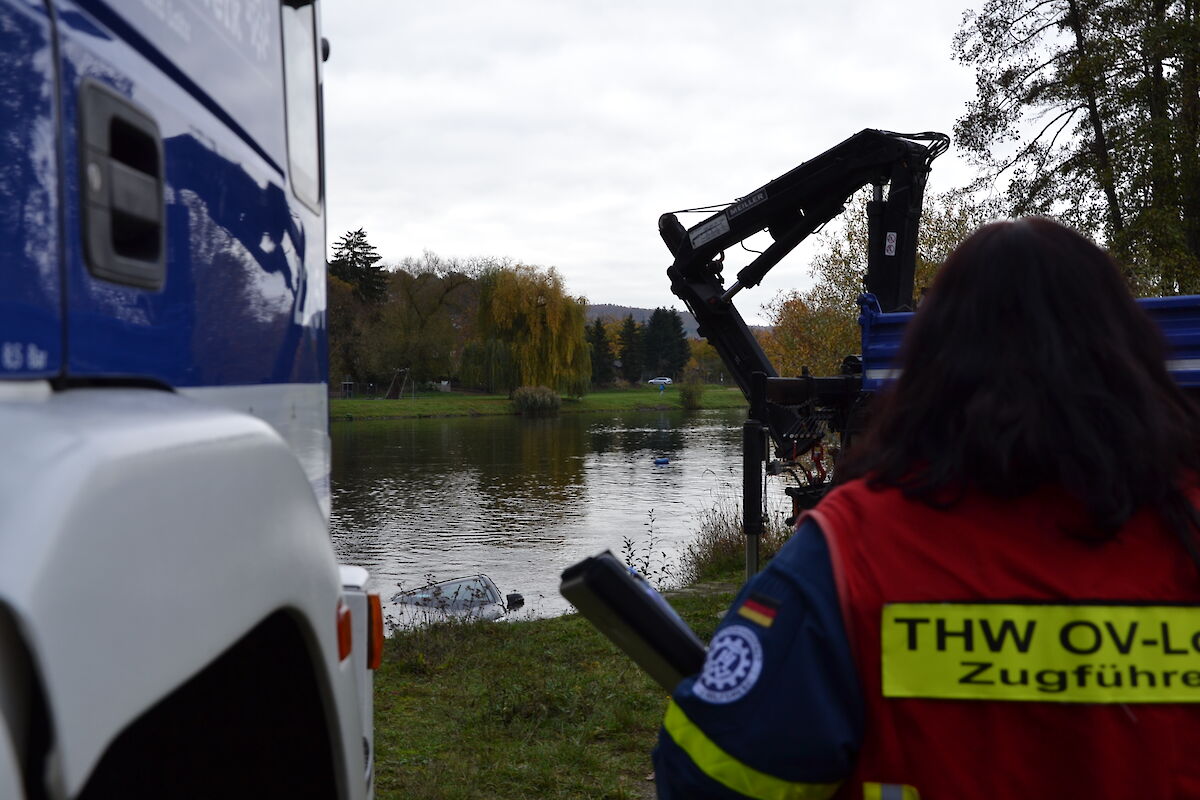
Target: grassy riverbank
point(543, 708)
point(463, 404)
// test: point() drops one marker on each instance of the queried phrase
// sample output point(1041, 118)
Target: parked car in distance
point(660, 381)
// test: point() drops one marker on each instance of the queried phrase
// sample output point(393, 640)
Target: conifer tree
point(665, 344)
point(602, 357)
point(356, 262)
point(630, 350)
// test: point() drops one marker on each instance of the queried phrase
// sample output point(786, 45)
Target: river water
point(420, 500)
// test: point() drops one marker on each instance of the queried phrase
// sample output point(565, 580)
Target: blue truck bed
point(1179, 318)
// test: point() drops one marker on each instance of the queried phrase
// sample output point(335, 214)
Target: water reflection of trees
point(521, 499)
point(655, 432)
point(500, 475)
point(505, 481)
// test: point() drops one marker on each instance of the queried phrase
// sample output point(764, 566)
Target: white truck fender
point(141, 534)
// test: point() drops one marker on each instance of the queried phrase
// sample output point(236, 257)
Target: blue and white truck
point(173, 621)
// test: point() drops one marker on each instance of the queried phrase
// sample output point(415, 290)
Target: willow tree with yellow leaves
point(527, 310)
point(818, 327)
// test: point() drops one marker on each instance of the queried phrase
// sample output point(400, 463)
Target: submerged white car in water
point(467, 598)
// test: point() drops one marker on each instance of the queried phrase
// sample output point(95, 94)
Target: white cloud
point(557, 132)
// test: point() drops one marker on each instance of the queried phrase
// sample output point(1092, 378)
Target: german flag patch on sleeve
point(759, 609)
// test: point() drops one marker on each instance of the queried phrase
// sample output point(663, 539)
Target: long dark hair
point(1029, 363)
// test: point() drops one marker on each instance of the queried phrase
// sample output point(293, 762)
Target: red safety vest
point(995, 597)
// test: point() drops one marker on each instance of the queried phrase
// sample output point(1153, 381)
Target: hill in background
point(640, 316)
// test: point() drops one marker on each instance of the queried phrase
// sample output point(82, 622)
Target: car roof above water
point(453, 594)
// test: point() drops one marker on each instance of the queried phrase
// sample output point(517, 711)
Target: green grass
point(463, 404)
point(545, 708)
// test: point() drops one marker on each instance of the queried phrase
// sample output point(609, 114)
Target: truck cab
point(173, 621)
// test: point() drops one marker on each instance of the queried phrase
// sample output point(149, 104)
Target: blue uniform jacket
point(778, 709)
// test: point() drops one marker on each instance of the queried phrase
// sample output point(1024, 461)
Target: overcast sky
point(555, 132)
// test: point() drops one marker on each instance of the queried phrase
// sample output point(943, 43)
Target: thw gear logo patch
point(732, 667)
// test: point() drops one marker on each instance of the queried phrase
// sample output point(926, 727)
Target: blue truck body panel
point(31, 323)
point(242, 299)
point(881, 338)
point(161, 202)
point(1178, 317)
point(226, 54)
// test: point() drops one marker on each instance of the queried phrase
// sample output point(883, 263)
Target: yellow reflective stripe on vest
point(1085, 653)
point(889, 791)
point(731, 773)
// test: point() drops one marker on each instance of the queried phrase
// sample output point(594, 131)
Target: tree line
point(487, 324)
point(625, 350)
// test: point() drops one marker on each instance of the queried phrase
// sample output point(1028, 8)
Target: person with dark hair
point(1001, 597)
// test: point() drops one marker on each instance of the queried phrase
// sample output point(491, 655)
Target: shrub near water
point(720, 544)
point(691, 393)
point(536, 401)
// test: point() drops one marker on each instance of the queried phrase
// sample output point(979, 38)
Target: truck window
point(300, 81)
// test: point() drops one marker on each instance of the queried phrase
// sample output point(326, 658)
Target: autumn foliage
point(818, 327)
point(529, 310)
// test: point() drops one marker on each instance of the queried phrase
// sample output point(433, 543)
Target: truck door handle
point(123, 210)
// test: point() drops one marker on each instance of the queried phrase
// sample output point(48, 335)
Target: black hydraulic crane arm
point(790, 208)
